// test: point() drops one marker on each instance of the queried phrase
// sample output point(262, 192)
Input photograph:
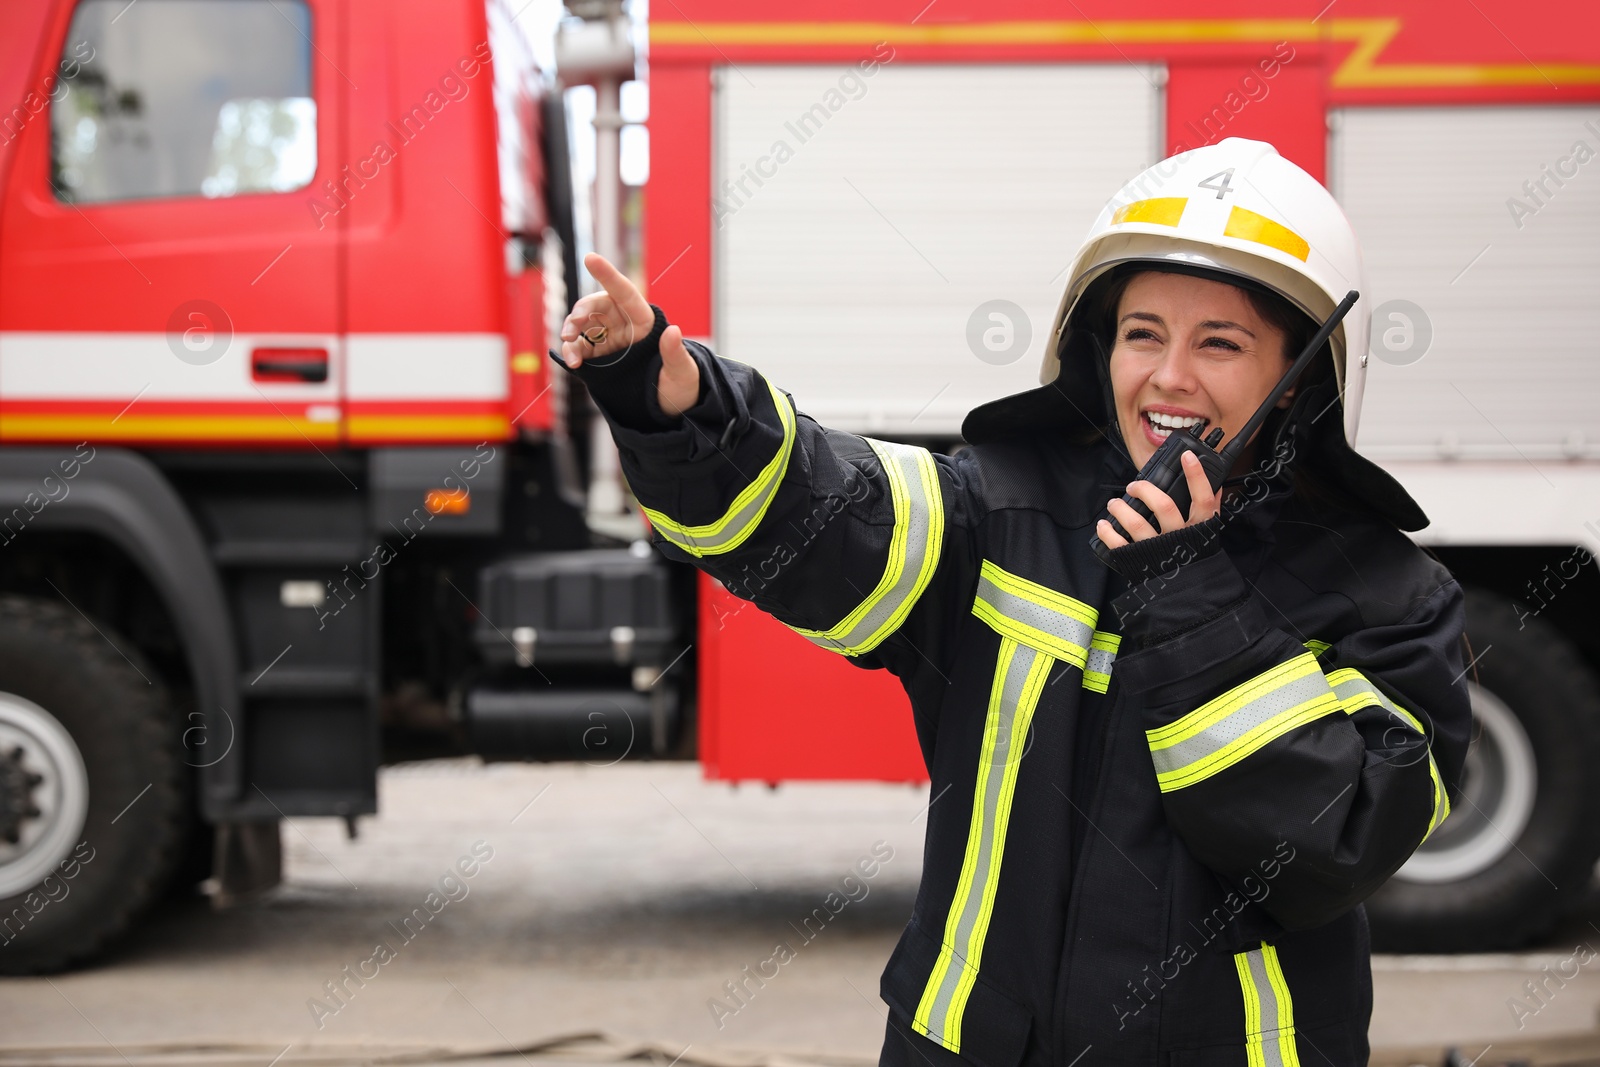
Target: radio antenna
point(1231, 451)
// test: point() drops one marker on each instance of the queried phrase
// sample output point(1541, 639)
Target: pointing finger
point(627, 296)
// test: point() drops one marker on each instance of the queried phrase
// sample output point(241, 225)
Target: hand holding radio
point(1201, 502)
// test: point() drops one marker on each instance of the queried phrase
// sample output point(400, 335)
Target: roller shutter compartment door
point(861, 222)
point(1487, 219)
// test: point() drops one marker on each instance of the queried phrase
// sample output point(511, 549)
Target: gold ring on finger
point(595, 335)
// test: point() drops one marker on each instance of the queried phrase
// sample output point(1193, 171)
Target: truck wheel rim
point(46, 776)
point(1499, 785)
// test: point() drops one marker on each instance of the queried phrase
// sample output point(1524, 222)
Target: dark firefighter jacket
point(1152, 820)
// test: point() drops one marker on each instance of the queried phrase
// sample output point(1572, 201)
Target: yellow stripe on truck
point(130, 427)
point(478, 427)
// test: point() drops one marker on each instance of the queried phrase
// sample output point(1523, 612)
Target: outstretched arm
point(842, 538)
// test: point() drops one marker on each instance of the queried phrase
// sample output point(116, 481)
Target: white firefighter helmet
point(1235, 207)
point(1240, 208)
point(1233, 211)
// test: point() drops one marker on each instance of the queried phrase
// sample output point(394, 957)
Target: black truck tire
point(1520, 845)
point(69, 692)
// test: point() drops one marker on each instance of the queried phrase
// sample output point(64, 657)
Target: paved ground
point(615, 902)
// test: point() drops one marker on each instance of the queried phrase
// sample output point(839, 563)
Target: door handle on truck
point(289, 364)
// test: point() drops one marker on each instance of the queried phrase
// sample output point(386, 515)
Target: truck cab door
point(168, 257)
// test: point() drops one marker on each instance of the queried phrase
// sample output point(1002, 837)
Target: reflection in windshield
point(262, 144)
point(186, 97)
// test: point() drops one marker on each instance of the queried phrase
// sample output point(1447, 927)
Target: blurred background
point(345, 713)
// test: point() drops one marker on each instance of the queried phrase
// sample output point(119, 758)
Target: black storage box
point(596, 606)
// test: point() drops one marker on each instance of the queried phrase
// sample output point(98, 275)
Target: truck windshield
point(183, 98)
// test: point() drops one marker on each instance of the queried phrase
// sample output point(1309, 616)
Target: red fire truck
point(288, 490)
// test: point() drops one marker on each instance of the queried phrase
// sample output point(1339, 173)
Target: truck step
point(287, 553)
point(305, 682)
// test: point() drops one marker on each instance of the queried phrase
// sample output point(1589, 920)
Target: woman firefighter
point(1174, 776)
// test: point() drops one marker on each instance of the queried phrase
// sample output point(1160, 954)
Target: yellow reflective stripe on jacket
point(1317, 647)
point(1355, 693)
point(747, 509)
point(913, 553)
point(1102, 651)
point(1035, 615)
point(1239, 722)
point(1268, 1010)
point(1019, 678)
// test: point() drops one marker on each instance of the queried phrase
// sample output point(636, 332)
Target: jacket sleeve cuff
point(1177, 582)
point(1160, 555)
point(708, 430)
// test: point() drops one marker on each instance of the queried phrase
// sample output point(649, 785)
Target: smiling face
point(1188, 350)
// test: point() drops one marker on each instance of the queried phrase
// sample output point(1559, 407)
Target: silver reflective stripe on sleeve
point(1268, 1010)
point(914, 551)
point(1241, 721)
point(747, 509)
point(1355, 693)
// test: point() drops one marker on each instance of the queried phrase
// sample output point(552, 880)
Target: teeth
point(1172, 422)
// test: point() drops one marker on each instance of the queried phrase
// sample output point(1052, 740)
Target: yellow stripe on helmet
point(1161, 211)
point(1248, 226)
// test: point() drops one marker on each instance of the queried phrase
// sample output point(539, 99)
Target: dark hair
point(1295, 325)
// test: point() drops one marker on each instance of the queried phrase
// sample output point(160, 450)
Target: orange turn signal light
point(447, 501)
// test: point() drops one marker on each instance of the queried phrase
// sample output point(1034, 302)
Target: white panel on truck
point(1487, 219)
point(862, 223)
